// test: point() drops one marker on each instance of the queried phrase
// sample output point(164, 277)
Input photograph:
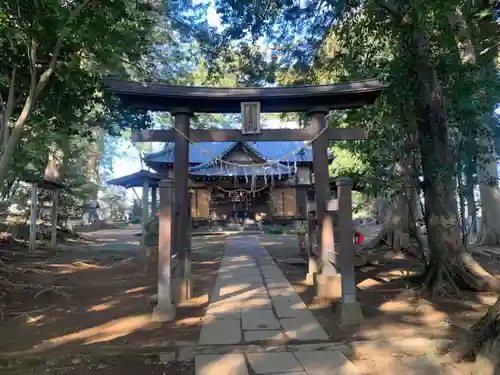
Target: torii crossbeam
point(183, 102)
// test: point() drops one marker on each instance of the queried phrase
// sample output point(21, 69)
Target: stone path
point(252, 304)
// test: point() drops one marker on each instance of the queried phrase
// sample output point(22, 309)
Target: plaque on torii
point(183, 101)
point(250, 113)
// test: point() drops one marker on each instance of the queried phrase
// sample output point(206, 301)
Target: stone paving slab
point(292, 299)
point(329, 346)
point(249, 348)
point(274, 347)
point(222, 313)
point(253, 302)
point(265, 335)
point(220, 331)
point(256, 304)
point(286, 309)
point(303, 329)
point(319, 363)
point(268, 363)
point(260, 319)
point(216, 364)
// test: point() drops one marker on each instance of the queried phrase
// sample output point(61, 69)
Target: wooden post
point(33, 216)
point(301, 215)
point(313, 266)
point(350, 308)
point(328, 283)
point(186, 286)
point(181, 288)
point(53, 217)
point(144, 222)
point(271, 205)
point(165, 310)
point(154, 198)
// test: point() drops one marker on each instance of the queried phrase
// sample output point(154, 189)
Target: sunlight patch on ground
point(101, 307)
point(228, 364)
point(319, 303)
point(396, 307)
point(80, 264)
point(369, 283)
point(208, 262)
point(189, 321)
point(34, 319)
point(102, 333)
point(74, 267)
point(138, 289)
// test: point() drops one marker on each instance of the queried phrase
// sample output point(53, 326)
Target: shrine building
point(234, 181)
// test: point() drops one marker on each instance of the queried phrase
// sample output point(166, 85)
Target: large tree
point(440, 96)
point(52, 49)
point(418, 40)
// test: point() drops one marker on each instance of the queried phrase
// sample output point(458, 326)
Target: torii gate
point(183, 101)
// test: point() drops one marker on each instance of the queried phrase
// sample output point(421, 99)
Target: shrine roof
point(160, 97)
point(45, 183)
point(204, 152)
point(137, 179)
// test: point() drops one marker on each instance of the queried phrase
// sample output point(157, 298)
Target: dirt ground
point(89, 304)
point(393, 307)
point(94, 300)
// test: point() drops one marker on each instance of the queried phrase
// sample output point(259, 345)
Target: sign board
point(332, 205)
point(250, 112)
point(300, 226)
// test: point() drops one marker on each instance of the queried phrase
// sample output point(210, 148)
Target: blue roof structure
point(207, 159)
point(205, 152)
point(136, 179)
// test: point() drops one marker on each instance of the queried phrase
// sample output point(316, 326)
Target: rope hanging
point(240, 189)
point(269, 163)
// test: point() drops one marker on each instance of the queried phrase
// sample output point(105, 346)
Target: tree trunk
point(65, 149)
point(482, 343)
point(489, 231)
point(450, 263)
point(94, 161)
point(487, 73)
point(471, 200)
point(399, 230)
point(477, 33)
point(461, 202)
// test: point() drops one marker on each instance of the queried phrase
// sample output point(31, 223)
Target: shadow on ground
point(85, 301)
point(394, 309)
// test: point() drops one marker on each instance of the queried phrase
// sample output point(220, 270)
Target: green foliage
point(325, 42)
point(72, 45)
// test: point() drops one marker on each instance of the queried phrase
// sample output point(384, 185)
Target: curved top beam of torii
point(160, 97)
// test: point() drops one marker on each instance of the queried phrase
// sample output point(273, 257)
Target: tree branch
point(8, 108)
point(389, 8)
point(35, 89)
point(57, 49)
point(32, 62)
